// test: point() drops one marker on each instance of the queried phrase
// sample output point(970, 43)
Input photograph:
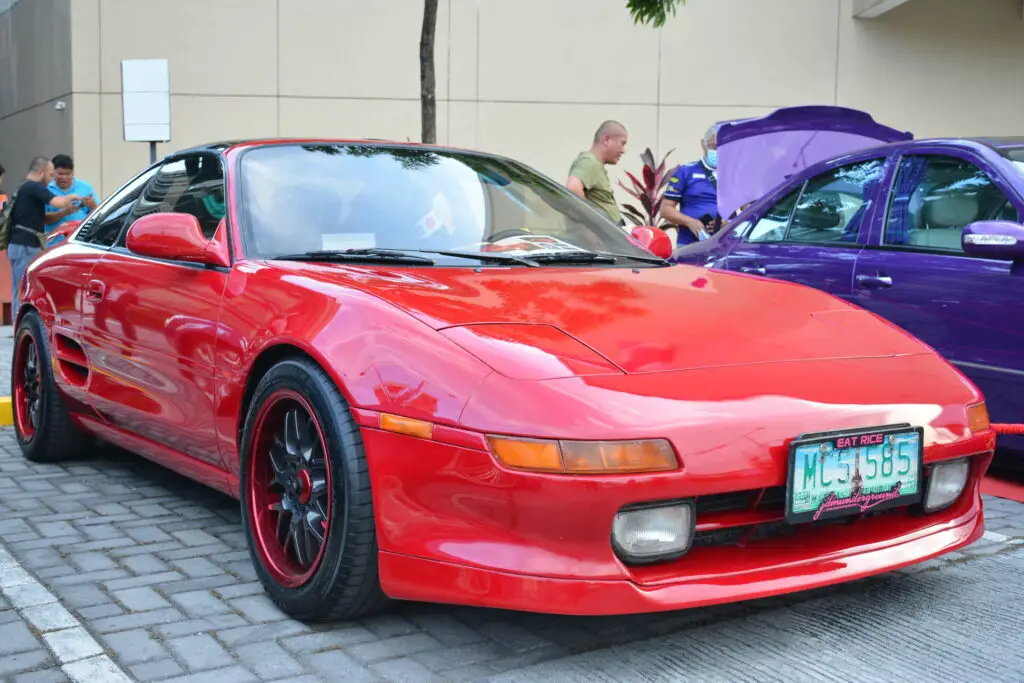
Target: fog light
point(653, 533)
point(945, 483)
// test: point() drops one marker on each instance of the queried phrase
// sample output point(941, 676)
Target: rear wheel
point(306, 501)
point(41, 421)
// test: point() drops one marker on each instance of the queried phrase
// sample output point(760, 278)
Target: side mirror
point(61, 234)
point(654, 240)
point(174, 237)
point(994, 239)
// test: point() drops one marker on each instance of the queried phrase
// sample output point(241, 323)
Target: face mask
point(712, 158)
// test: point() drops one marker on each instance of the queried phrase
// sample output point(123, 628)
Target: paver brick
point(257, 609)
point(269, 660)
point(262, 633)
point(123, 582)
point(399, 646)
point(332, 662)
point(193, 626)
point(135, 646)
point(139, 620)
point(404, 670)
point(144, 564)
point(199, 652)
point(109, 609)
point(15, 637)
point(54, 675)
point(204, 583)
point(231, 674)
point(71, 644)
point(156, 670)
point(92, 561)
point(325, 640)
point(31, 660)
point(200, 603)
point(140, 599)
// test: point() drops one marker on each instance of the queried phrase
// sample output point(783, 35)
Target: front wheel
point(41, 421)
point(307, 507)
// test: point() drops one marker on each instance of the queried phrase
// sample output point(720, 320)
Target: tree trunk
point(427, 81)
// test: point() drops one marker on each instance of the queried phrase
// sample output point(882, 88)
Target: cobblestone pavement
point(113, 564)
point(155, 568)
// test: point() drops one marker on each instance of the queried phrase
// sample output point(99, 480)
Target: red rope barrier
point(1008, 429)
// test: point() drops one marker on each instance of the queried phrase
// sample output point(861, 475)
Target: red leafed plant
point(648, 192)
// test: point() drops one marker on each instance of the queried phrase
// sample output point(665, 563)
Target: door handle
point(878, 280)
point(95, 290)
point(756, 270)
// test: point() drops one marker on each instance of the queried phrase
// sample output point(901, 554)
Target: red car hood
point(556, 322)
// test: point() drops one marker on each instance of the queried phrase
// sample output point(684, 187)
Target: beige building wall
point(527, 78)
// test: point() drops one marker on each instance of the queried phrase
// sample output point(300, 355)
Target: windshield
point(307, 198)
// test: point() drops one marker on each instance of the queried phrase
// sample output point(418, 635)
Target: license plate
point(836, 474)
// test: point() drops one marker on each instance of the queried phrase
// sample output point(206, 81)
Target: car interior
point(952, 195)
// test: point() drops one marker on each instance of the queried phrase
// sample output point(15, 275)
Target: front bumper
point(769, 568)
point(453, 527)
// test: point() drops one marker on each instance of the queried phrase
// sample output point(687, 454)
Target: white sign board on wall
point(146, 100)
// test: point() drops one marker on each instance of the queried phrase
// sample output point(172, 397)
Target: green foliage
point(654, 12)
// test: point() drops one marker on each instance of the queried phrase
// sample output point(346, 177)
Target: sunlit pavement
point(113, 569)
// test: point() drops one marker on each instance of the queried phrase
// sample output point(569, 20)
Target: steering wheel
point(507, 233)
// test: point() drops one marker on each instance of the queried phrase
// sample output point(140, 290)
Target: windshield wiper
point(635, 257)
point(357, 256)
point(493, 258)
point(574, 257)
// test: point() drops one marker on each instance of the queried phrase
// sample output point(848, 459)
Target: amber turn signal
point(528, 454)
point(977, 417)
point(584, 457)
point(406, 425)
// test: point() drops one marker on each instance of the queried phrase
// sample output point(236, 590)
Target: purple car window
point(828, 209)
point(935, 197)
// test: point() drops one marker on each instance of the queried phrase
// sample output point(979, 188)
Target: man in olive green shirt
point(588, 176)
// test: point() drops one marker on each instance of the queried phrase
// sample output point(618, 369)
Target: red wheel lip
point(22, 421)
point(270, 551)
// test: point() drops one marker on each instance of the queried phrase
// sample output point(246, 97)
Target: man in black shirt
point(28, 216)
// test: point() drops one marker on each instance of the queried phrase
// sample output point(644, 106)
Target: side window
point(834, 204)
point(192, 185)
point(772, 226)
point(935, 197)
point(103, 227)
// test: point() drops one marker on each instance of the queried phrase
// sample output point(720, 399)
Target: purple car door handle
point(756, 270)
point(878, 280)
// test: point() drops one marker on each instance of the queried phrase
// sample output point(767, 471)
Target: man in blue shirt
point(691, 199)
point(65, 183)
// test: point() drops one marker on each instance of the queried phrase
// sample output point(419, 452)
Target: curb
point(6, 414)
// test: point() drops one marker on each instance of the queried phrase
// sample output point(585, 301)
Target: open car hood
point(755, 155)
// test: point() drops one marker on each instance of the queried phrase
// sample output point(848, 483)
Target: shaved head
point(609, 128)
point(610, 142)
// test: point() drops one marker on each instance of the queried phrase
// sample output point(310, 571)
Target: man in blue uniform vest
point(691, 199)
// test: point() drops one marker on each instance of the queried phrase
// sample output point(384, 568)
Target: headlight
point(584, 457)
point(945, 483)
point(653, 533)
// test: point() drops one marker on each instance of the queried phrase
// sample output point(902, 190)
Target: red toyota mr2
point(437, 375)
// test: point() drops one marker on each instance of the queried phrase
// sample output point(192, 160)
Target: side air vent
point(71, 362)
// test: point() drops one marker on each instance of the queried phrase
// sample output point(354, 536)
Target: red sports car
point(436, 375)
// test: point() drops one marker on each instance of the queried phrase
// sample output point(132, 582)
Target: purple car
point(925, 233)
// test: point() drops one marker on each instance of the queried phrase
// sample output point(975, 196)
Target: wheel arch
point(261, 365)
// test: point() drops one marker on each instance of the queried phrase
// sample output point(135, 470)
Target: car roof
point(224, 146)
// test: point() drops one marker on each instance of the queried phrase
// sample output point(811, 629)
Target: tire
point(47, 435)
point(309, 579)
